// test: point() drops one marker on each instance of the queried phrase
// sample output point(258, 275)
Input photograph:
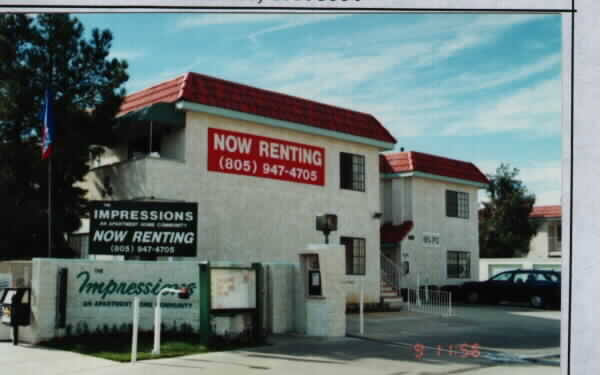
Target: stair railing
point(390, 273)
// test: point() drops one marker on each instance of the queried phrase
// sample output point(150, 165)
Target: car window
point(541, 277)
point(520, 277)
point(502, 277)
point(552, 277)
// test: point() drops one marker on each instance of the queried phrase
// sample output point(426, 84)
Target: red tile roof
point(410, 161)
point(215, 92)
point(395, 233)
point(545, 212)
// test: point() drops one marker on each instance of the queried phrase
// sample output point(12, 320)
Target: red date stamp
point(453, 350)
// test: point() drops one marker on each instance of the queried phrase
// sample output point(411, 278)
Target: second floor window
point(457, 204)
point(352, 172)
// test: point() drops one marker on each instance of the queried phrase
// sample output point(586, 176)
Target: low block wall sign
point(143, 228)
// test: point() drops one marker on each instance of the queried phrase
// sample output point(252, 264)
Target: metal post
point(418, 289)
point(136, 319)
point(362, 315)
point(49, 206)
point(205, 295)
point(259, 314)
point(157, 318)
point(150, 140)
point(449, 303)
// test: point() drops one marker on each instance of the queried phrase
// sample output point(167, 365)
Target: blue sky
point(474, 87)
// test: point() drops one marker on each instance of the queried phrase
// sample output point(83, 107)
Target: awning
point(163, 117)
point(392, 234)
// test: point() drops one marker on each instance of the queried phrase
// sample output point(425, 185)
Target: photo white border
point(580, 322)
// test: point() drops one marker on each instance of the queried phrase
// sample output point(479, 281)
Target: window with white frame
point(355, 255)
point(457, 204)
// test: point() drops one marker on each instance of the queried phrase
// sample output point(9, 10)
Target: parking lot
point(502, 332)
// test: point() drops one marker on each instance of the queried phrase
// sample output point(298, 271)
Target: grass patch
point(118, 347)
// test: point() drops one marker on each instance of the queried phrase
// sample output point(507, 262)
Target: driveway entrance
point(499, 332)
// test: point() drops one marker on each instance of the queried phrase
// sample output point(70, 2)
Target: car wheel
point(537, 301)
point(473, 297)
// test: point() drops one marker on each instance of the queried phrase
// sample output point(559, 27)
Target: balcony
point(140, 178)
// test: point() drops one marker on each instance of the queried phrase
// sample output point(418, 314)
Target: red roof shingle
point(545, 212)
point(410, 161)
point(202, 89)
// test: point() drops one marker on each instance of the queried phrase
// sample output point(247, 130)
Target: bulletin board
point(233, 288)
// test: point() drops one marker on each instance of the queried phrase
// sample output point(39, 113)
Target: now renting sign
point(252, 155)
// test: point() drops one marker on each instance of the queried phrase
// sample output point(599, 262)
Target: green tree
point(39, 52)
point(505, 229)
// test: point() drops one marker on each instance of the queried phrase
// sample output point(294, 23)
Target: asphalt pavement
point(287, 355)
point(515, 339)
point(499, 331)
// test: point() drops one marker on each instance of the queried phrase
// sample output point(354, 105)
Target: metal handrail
point(390, 272)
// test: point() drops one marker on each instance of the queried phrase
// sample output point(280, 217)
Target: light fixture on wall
point(326, 223)
point(377, 215)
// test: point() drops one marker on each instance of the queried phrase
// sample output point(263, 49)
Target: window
point(355, 255)
point(502, 277)
point(554, 239)
point(352, 172)
point(457, 204)
point(459, 265)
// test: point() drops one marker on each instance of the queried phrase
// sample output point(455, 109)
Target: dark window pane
point(352, 172)
point(451, 203)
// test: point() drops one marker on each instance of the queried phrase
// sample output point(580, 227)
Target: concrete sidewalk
point(287, 354)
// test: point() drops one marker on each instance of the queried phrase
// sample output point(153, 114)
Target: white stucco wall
point(538, 247)
point(249, 219)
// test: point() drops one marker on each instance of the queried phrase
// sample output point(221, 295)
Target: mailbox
point(16, 307)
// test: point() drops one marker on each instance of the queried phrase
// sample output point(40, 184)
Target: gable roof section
point(214, 92)
point(430, 165)
point(541, 212)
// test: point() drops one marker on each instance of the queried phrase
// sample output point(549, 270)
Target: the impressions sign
point(143, 228)
point(251, 155)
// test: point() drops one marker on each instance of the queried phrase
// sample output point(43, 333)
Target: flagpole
point(50, 206)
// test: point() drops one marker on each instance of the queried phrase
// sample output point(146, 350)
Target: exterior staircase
point(390, 290)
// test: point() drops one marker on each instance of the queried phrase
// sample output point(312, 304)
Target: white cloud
point(127, 54)
point(279, 22)
point(296, 21)
point(467, 82)
point(535, 109)
point(204, 20)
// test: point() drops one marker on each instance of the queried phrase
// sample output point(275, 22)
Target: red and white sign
point(251, 155)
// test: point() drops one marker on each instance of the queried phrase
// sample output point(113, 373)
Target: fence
point(430, 301)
